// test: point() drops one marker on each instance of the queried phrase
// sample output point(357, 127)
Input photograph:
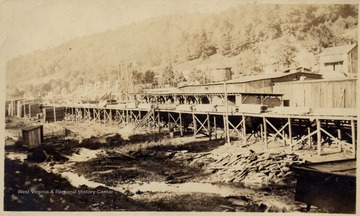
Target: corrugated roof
point(338, 50)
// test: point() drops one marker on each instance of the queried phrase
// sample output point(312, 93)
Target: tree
point(206, 49)
point(138, 77)
point(320, 36)
point(249, 62)
point(286, 53)
point(149, 76)
point(179, 77)
point(199, 76)
point(167, 76)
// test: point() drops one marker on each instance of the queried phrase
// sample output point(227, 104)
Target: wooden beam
point(318, 130)
point(265, 132)
point(194, 124)
point(309, 137)
point(353, 138)
point(159, 121)
point(290, 130)
point(54, 110)
point(181, 125)
point(339, 140)
point(127, 116)
point(209, 125)
point(202, 124)
point(236, 128)
point(278, 132)
point(215, 127)
point(244, 128)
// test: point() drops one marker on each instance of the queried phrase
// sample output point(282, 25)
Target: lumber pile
point(252, 168)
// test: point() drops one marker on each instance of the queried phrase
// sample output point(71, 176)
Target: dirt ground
point(144, 172)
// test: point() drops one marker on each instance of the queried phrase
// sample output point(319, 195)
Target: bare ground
point(145, 172)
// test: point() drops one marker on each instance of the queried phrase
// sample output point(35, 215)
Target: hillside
point(247, 38)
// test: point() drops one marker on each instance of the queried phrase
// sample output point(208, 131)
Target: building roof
point(338, 50)
point(266, 76)
point(337, 79)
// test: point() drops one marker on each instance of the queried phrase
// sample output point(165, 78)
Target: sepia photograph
point(164, 106)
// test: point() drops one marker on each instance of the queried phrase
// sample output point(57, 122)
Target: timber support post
point(181, 125)
point(318, 130)
point(209, 125)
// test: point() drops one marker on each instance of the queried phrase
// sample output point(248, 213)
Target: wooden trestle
point(290, 129)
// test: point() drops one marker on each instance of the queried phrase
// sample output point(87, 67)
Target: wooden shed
point(31, 109)
point(327, 93)
point(341, 59)
point(53, 114)
point(33, 136)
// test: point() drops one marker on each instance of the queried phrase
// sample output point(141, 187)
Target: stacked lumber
point(254, 168)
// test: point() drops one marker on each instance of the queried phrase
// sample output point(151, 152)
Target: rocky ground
point(145, 172)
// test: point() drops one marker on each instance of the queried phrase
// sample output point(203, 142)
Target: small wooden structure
point(31, 110)
point(328, 185)
point(53, 114)
point(33, 136)
point(341, 59)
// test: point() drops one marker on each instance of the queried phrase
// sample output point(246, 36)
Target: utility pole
point(227, 116)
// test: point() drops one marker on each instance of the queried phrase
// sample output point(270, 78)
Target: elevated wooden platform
point(314, 128)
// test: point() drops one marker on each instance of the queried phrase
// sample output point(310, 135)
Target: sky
point(28, 25)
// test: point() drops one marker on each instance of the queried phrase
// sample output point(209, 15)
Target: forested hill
point(249, 37)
